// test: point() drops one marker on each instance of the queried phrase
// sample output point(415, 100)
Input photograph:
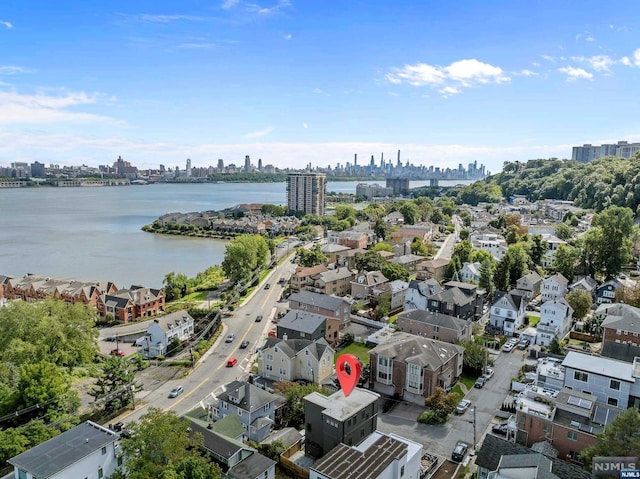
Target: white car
point(230, 337)
point(488, 374)
point(508, 347)
point(175, 392)
point(462, 406)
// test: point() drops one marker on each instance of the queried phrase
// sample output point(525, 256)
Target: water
point(94, 233)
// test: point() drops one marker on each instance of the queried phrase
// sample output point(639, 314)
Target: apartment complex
point(306, 193)
point(588, 152)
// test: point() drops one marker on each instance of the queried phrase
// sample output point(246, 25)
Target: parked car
point(459, 451)
point(509, 345)
point(462, 406)
point(117, 352)
point(488, 374)
point(480, 382)
point(244, 344)
point(175, 392)
point(258, 318)
point(500, 429)
point(230, 337)
point(524, 343)
point(232, 362)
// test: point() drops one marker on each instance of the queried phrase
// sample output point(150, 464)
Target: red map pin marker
point(348, 379)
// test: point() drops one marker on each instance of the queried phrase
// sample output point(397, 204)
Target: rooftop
point(302, 321)
point(341, 407)
point(599, 365)
point(324, 301)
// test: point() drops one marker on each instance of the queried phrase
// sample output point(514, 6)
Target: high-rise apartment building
point(588, 152)
point(306, 193)
point(188, 167)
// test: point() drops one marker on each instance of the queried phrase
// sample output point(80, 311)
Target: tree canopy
point(245, 255)
point(620, 438)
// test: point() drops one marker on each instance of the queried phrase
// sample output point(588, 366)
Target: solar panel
point(583, 403)
point(600, 415)
point(574, 401)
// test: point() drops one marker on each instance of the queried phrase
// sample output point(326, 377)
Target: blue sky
point(294, 82)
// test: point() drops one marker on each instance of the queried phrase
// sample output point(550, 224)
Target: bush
point(433, 416)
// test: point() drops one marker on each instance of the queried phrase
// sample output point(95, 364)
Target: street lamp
point(474, 430)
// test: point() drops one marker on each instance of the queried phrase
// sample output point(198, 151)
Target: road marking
point(186, 395)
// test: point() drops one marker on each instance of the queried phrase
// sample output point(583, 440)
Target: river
point(93, 233)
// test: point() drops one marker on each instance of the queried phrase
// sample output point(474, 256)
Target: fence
point(290, 466)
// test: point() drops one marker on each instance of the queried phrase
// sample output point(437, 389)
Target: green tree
point(175, 286)
point(538, 247)
point(381, 229)
point(273, 210)
point(419, 247)
point(294, 394)
point(382, 247)
point(114, 386)
point(620, 438)
point(382, 306)
point(442, 401)
point(565, 261)
point(555, 347)
point(475, 355)
point(464, 234)
point(564, 231)
point(393, 271)
point(344, 212)
point(410, 212)
point(310, 257)
point(244, 256)
point(160, 441)
point(485, 281)
point(463, 251)
point(512, 235)
point(580, 301)
point(501, 276)
point(608, 242)
point(369, 261)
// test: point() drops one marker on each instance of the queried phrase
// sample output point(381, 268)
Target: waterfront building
point(306, 193)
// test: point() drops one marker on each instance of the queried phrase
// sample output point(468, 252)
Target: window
point(402, 471)
point(580, 376)
point(119, 461)
point(22, 474)
point(436, 329)
point(104, 450)
point(100, 474)
point(545, 427)
point(572, 436)
point(613, 384)
point(612, 402)
point(283, 371)
point(269, 357)
point(269, 367)
point(239, 412)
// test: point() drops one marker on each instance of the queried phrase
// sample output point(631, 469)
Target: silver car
point(175, 392)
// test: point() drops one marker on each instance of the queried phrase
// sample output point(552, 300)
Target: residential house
point(453, 302)
point(396, 290)
point(348, 258)
point(334, 281)
point(423, 231)
point(507, 314)
point(470, 272)
point(606, 293)
point(493, 243)
point(3, 281)
point(324, 304)
point(353, 239)
point(612, 382)
point(555, 321)
point(408, 261)
point(379, 456)
point(87, 450)
point(568, 419)
point(296, 359)
point(418, 293)
point(303, 275)
point(429, 324)
point(554, 287)
point(130, 304)
point(587, 284)
point(432, 269)
point(161, 332)
point(331, 251)
point(530, 283)
point(253, 406)
point(495, 449)
point(394, 218)
point(331, 420)
point(297, 324)
point(412, 367)
point(364, 282)
point(553, 243)
point(237, 460)
point(620, 331)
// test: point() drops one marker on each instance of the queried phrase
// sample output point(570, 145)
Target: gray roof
point(452, 295)
point(302, 321)
point(587, 283)
point(334, 274)
point(324, 301)
point(599, 365)
point(620, 316)
point(542, 464)
point(291, 347)
point(288, 436)
point(558, 278)
point(425, 352)
point(341, 407)
point(436, 319)
point(56, 454)
point(406, 259)
point(252, 467)
point(173, 319)
point(344, 462)
point(425, 288)
point(395, 286)
point(462, 286)
point(254, 397)
point(494, 447)
point(217, 443)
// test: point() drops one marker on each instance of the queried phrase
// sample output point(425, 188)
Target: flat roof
point(339, 407)
point(599, 365)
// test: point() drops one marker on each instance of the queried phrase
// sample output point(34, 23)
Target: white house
point(553, 243)
point(378, 456)
point(491, 242)
point(470, 272)
point(87, 450)
point(554, 287)
point(292, 359)
point(418, 292)
point(555, 321)
point(162, 330)
point(507, 313)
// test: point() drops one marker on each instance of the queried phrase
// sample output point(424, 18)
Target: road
point(446, 249)
point(211, 372)
point(440, 440)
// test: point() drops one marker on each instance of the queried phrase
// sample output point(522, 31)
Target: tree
point(393, 271)
point(555, 347)
point(382, 247)
point(381, 229)
point(485, 281)
point(620, 438)
point(175, 286)
point(629, 295)
point(369, 261)
point(564, 231)
point(501, 278)
point(273, 210)
point(463, 251)
point(310, 257)
point(608, 243)
point(295, 393)
point(475, 354)
point(538, 247)
point(410, 212)
point(580, 301)
point(511, 235)
point(161, 441)
point(114, 384)
point(244, 256)
point(419, 247)
point(593, 325)
point(565, 261)
point(464, 234)
point(382, 307)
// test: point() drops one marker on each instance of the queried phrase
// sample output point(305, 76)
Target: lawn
point(197, 296)
point(533, 320)
point(468, 380)
point(458, 390)
point(359, 350)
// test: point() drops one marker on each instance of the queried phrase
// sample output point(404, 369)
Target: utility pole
point(474, 428)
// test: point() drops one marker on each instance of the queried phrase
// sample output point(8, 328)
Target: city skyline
point(296, 83)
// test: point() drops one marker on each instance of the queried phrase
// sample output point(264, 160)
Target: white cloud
point(636, 57)
point(320, 91)
point(264, 10)
point(11, 70)
point(40, 108)
point(589, 38)
point(576, 73)
point(304, 125)
point(196, 46)
point(525, 73)
point(227, 4)
point(626, 61)
point(549, 58)
point(449, 79)
point(602, 63)
point(288, 36)
point(260, 133)
point(6, 24)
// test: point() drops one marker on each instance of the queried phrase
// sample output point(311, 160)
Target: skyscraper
point(188, 167)
point(247, 163)
point(306, 193)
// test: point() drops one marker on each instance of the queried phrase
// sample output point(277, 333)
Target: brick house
point(432, 269)
point(334, 281)
point(297, 324)
point(33, 287)
point(413, 367)
point(434, 326)
point(299, 279)
point(131, 304)
point(620, 331)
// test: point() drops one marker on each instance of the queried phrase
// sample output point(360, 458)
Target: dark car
point(267, 286)
point(480, 382)
point(523, 344)
point(459, 451)
point(258, 318)
point(500, 429)
point(244, 344)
